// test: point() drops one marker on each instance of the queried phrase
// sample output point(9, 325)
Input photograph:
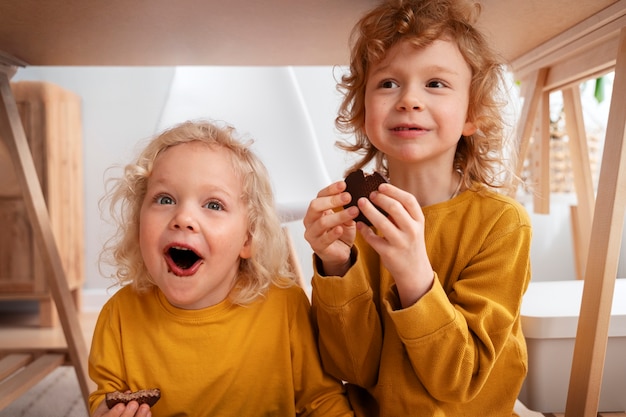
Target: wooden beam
point(580, 246)
point(581, 170)
point(541, 158)
point(588, 64)
point(24, 379)
point(12, 363)
point(585, 35)
point(531, 91)
point(606, 235)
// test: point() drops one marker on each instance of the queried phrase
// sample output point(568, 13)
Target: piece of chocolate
point(145, 396)
point(359, 184)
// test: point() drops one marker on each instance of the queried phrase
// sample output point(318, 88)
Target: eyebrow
point(439, 68)
point(431, 68)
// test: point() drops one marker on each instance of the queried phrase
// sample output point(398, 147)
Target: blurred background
point(289, 111)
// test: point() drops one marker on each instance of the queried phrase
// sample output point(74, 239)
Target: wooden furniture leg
point(582, 215)
point(592, 48)
point(532, 88)
point(541, 168)
point(12, 134)
point(606, 235)
point(536, 113)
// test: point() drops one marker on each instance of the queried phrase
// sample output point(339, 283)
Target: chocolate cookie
point(359, 184)
point(145, 396)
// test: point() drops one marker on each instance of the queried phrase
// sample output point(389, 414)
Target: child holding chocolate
point(420, 314)
point(209, 320)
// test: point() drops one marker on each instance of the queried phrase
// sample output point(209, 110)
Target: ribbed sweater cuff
point(334, 291)
point(432, 312)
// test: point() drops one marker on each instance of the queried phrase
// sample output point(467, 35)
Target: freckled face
point(193, 225)
point(416, 103)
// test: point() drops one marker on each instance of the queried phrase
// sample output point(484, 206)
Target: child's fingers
point(334, 188)
point(325, 205)
point(143, 411)
point(396, 202)
point(373, 214)
point(131, 409)
point(327, 228)
point(327, 200)
point(330, 229)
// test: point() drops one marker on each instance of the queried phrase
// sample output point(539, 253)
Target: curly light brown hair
point(270, 251)
point(482, 157)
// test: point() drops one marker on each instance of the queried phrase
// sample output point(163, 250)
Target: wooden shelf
point(51, 118)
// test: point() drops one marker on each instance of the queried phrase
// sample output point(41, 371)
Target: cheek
point(144, 244)
point(366, 128)
point(371, 121)
point(369, 113)
point(147, 236)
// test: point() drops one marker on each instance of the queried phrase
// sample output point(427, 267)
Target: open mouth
point(182, 261)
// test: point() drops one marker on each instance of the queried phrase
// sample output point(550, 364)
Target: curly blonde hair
point(481, 157)
point(268, 264)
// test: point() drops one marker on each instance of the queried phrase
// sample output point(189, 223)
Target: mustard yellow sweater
point(225, 360)
point(459, 351)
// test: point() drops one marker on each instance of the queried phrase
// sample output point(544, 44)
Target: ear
point(469, 128)
point(246, 249)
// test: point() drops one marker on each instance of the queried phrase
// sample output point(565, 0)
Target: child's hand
point(132, 409)
point(400, 242)
point(331, 233)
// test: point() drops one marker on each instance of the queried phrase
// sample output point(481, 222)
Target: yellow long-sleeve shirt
point(458, 351)
point(225, 360)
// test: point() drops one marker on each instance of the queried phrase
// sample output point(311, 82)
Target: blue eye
point(214, 205)
point(164, 199)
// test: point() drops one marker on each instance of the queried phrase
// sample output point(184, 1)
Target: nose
point(410, 100)
point(184, 219)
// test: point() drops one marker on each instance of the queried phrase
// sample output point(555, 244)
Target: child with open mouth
point(209, 312)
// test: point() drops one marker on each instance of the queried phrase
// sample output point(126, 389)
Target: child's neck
point(428, 187)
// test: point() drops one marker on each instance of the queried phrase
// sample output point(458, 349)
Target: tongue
point(183, 269)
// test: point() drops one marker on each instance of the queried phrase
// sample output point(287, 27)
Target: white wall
point(289, 111)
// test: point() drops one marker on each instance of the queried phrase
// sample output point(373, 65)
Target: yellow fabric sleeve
point(460, 349)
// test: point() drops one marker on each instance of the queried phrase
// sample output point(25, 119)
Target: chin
point(184, 304)
point(188, 303)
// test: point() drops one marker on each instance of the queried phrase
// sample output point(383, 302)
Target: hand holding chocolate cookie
point(146, 396)
point(359, 184)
